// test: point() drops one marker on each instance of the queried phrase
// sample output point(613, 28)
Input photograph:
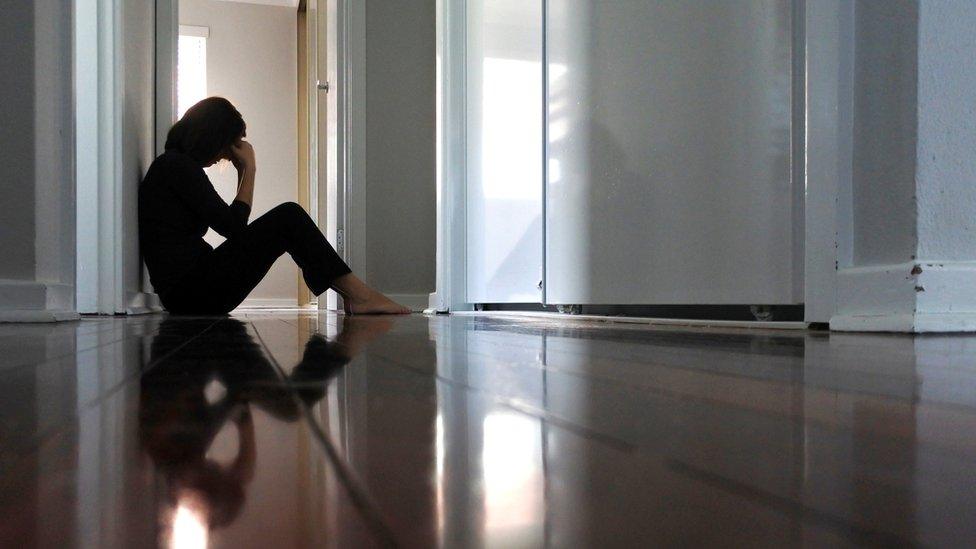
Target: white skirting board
point(270, 303)
point(415, 302)
point(37, 316)
point(28, 301)
point(694, 323)
point(914, 297)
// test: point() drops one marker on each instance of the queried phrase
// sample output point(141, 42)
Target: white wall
point(252, 57)
point(17, 140)
point(400, 151)
point(947, 131)
point(913, 266)
point(885, 61)
point(36, 137)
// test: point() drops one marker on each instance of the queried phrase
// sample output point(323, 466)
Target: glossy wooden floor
point(301, 430)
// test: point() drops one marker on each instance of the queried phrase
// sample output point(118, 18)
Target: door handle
point(322, 85)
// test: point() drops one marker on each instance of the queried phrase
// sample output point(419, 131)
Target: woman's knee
point(290, 213)
point(289, 208)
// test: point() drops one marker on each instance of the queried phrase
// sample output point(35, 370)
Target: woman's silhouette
point(177, 203)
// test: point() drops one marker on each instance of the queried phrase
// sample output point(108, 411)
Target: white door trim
point(167, 29)
point(451, 91)
point(87, 159)
point(99, 286)
point(343, 198)
point(829, 104)
point(98, 165)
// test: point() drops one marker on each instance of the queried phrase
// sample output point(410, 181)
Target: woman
point(177, 202)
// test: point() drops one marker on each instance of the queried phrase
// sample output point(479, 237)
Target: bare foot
point(360, 299)
point(377, 304)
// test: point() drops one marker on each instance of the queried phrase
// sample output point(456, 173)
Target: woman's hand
point(242, 156)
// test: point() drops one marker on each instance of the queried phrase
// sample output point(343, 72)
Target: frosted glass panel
point(669, 152)
point(504, 150)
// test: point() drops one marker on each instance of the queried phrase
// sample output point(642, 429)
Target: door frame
point(451, 50)
point(342, 192)
point(829, 109)
point(306, 176)
point(98, 107)
point(98, 165)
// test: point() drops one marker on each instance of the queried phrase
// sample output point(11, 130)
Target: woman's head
point(207, 130)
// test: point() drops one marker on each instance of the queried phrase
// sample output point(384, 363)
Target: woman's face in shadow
point(226, 155)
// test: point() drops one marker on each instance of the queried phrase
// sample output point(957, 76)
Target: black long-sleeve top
point(177, 202)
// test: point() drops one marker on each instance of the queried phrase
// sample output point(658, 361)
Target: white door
point(669, 163)
point(504, 84)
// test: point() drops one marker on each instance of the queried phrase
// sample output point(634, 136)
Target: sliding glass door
point(625, 152)
point(504, 100)
point(669, 157)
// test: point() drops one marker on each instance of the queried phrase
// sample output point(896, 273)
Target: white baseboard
point(915, 297)
point(29, 301)
point(414, 302)
point(873, 323)
point(37, 316)
point(270, 303)
point(694, 323)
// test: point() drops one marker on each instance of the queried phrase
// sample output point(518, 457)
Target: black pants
point(221, 280)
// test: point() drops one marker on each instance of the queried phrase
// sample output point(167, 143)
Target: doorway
point(126, 74)
point(255, 55)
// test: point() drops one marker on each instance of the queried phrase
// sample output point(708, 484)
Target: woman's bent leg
point(225, 277)
point(321, 266)
point(289, 228)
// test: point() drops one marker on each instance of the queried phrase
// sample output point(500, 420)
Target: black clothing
point(221, 279)
point(177, 203)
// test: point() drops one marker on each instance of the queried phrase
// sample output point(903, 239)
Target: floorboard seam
point(357, 493)
point(526, 409)
point(112, 390)
point(76, 352)
point(67, 426)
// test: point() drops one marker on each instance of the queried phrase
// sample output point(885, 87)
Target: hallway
point(294, 429)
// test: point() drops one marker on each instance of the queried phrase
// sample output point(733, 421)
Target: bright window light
point(191, 78)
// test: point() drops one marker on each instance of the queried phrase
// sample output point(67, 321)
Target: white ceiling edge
point(282, 3)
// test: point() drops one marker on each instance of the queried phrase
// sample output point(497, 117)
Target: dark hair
point(206, 129)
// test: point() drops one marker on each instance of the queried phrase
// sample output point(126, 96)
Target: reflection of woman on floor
point(188, 398)
point(177, 203)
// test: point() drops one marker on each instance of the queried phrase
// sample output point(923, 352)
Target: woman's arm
point(243, 159)
point(194, 189)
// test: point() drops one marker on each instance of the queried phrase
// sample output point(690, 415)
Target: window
point(191, 77)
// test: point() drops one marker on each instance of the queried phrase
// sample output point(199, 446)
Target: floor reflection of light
point(439, 480)
point(512, 461)
point(189, 529)
point(214, 392)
